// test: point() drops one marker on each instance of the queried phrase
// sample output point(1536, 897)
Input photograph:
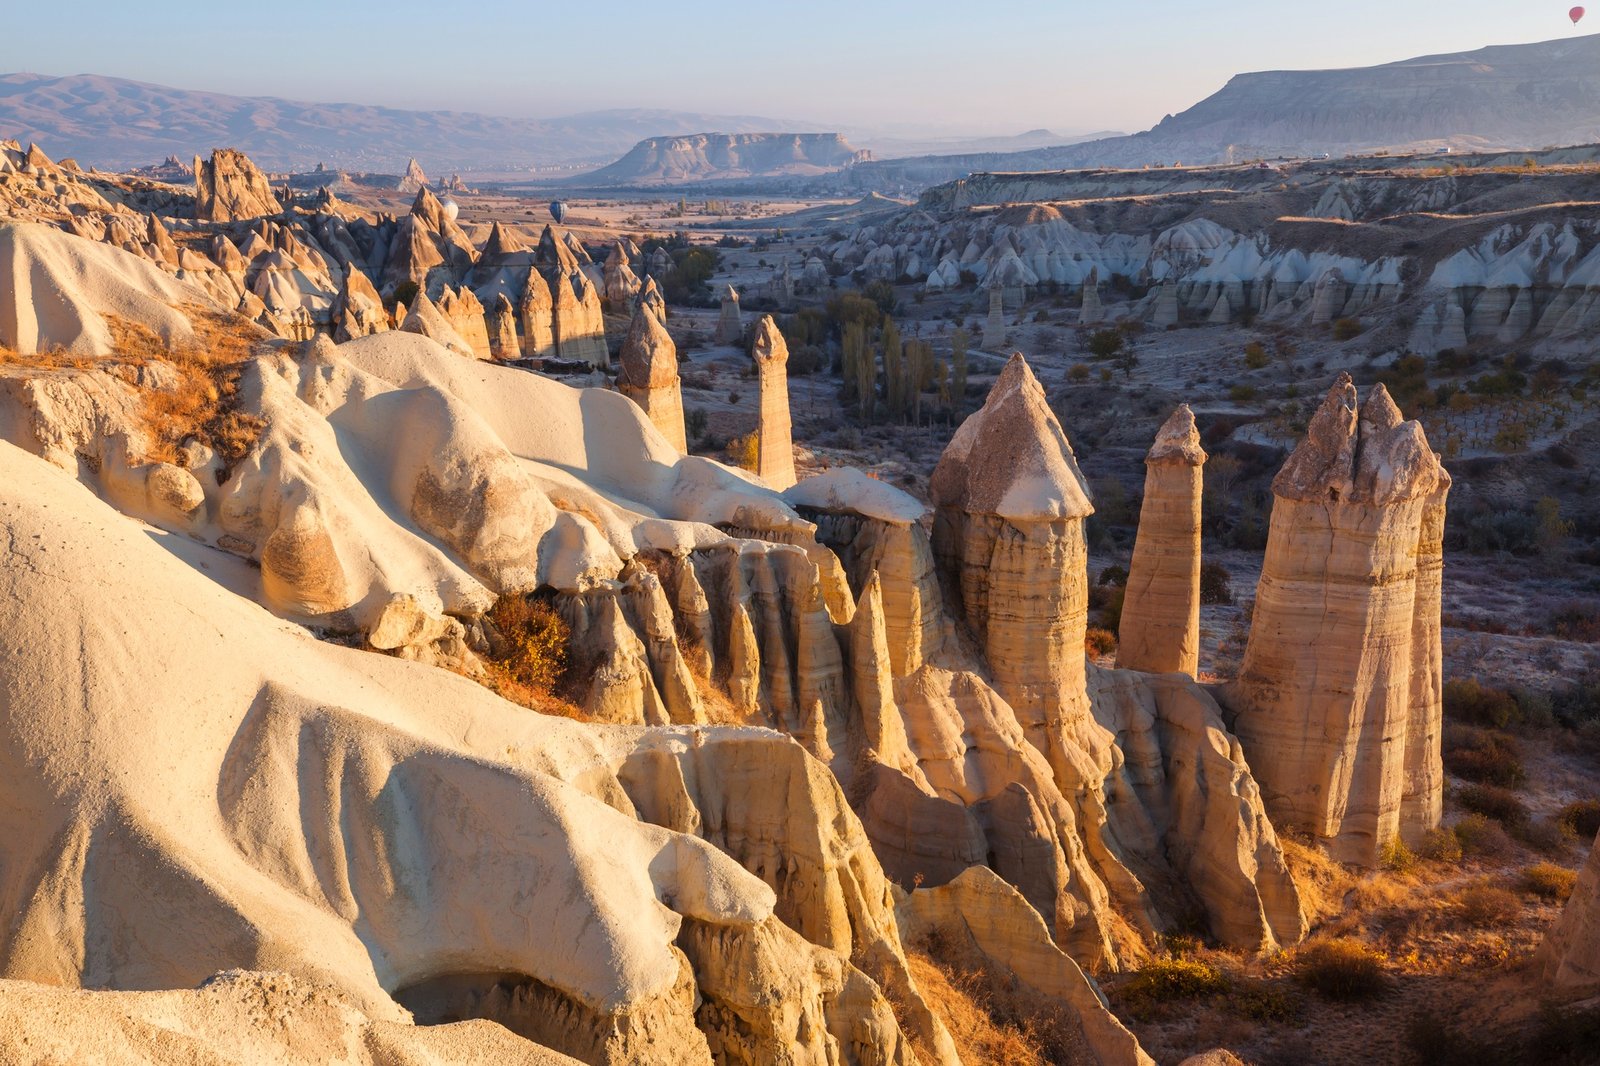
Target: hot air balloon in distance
point(451, 209)
point(558, 211)
point(1575, 15)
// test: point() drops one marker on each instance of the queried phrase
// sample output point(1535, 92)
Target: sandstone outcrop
point(979, 912)
point(730, 327)
point(358, 311)
point(536, 310)
point(774, 444)
point(503, 343)
point(1093, 312)
point(649, 376)
point(1334, 701)
point(1008, 531)
point(249, 1017)
point(415, 179)
point(423, 318)
point(1160, 630)
point(621, 283)
point(228, 187)
point(596, 971)
point(462, 309)
point(579, 323)
point(1568, 961)
point(650, 297)
point(994, 327)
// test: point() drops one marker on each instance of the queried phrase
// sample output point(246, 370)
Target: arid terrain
point(1114, 616)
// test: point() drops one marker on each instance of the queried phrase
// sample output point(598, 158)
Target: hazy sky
point(997, 66)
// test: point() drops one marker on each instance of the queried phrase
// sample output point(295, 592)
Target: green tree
point(895, 385)
point(1106, 343)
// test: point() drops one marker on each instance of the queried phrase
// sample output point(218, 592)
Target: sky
point(992, 66)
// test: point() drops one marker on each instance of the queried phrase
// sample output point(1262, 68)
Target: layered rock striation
point(649, 376)
point(1337, 700)
point(1160, 628)
point(774, 443)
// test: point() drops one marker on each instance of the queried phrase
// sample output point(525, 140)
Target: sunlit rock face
point(649, 376)
point(1337, 701)
point(1569, 959)
point(1160, 629)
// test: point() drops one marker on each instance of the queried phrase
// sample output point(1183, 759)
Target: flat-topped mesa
point(228, 187)
point(1008, 535)
point(649, 376)
point(1160, 631)
point(774, 443)
point(730, 327)
point(1338, 698)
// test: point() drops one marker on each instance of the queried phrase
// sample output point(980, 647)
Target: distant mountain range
point(728, 156)
point(1492, 99)
point(1496, 98)
point(114, 123)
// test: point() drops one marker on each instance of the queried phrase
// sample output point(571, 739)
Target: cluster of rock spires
point(1293, 252)
point(954, 756)
point(304, 268)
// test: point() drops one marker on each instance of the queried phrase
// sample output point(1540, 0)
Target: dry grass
point(530, 663)
point(989, 1017)
point(1550, 881)
point(205, 404)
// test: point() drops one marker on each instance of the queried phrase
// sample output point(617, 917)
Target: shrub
point(1440, 845)
point(1262, 1001)
point(1113, 575)
point(1346, 329)
point(1098, 642)
point(744, 451)
point(1242, 393)
point(1395, 856)
point(1481, 756)
point(1548, 880)
point(1583, 818)
point(1078, 373)
point(1255, 355)
point(1501, 804)
point(1106, 343)
point(1486, 905)
point(695, 422)
point(1477, 704)
point(1342, 970)
point(534, 644)
point(1167, 980)
point(1215, 583)
point(1482, 836)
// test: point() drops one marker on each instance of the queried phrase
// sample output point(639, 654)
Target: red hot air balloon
point(1575, 14)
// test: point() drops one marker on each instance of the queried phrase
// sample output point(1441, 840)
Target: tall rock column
point(1422, 801)
point(649, 376)
point(994, 327)
point(536, 308)
point(1008, 535)
point(1325, 698)
point(730, 328)
point(774, 444)
point(1160, 632)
